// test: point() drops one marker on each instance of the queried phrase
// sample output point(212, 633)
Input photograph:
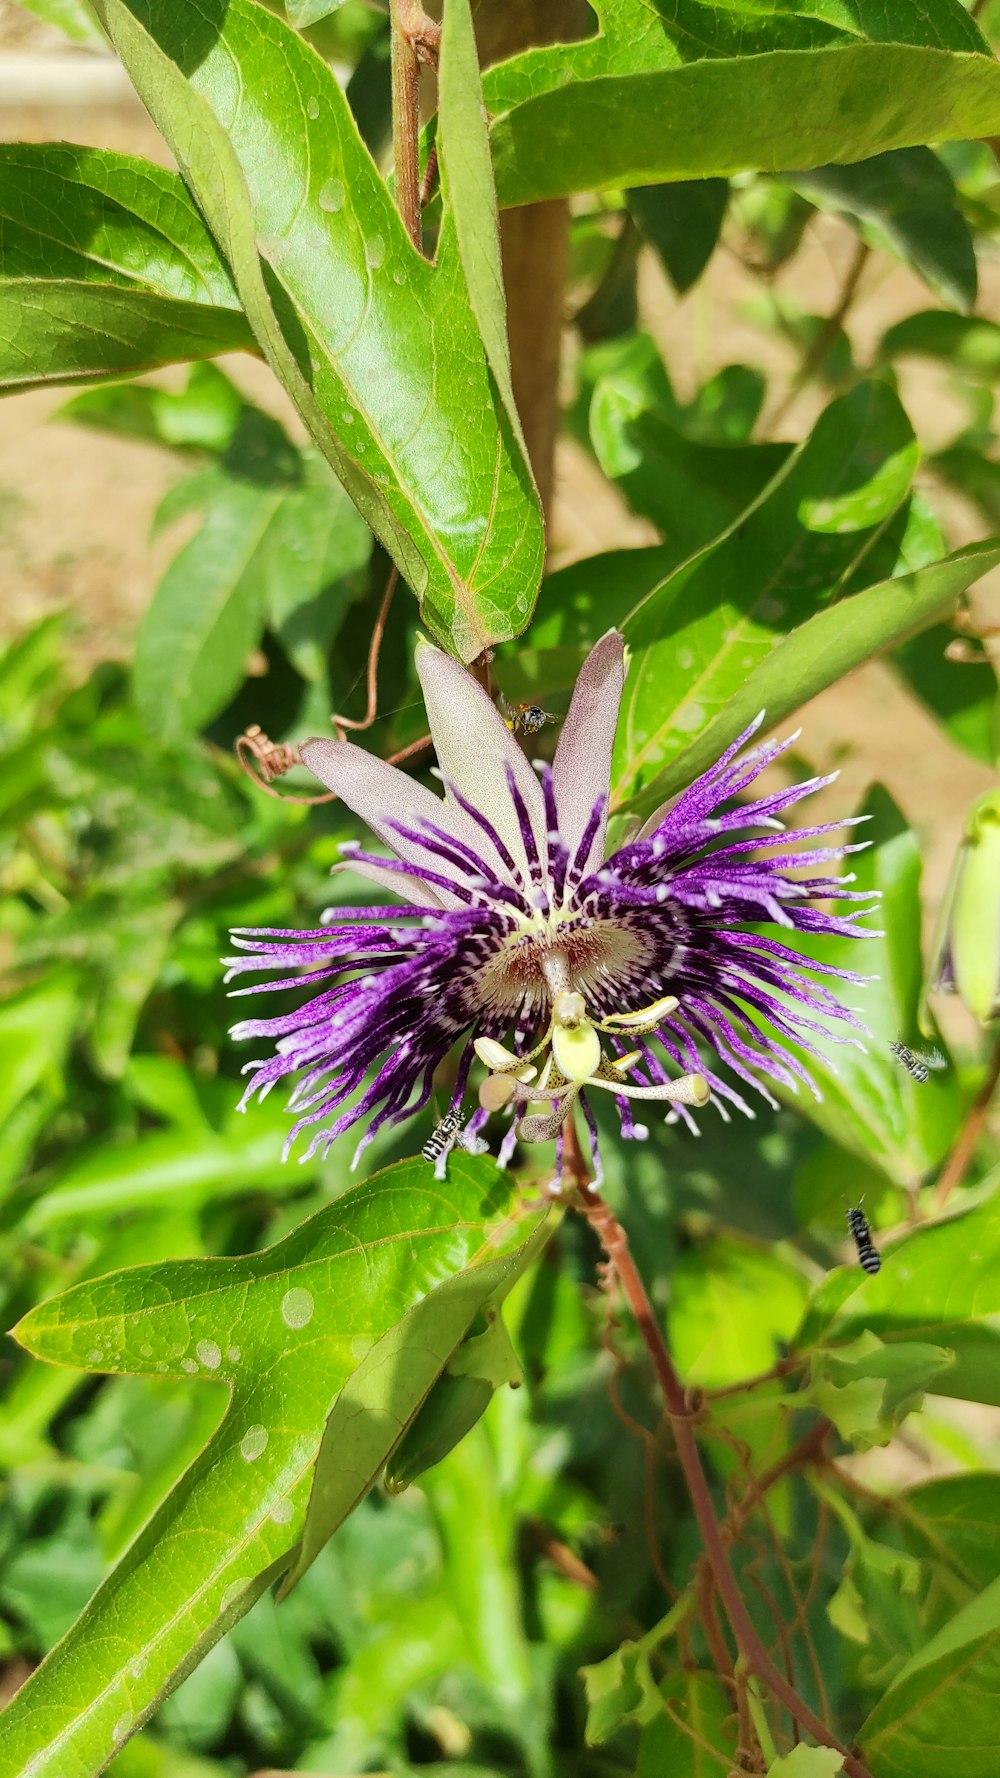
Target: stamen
point(646, 1019)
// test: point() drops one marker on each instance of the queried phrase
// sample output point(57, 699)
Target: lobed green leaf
point(287, 1330)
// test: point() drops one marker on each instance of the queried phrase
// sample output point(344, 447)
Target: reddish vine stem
point(957, 1163)
point(808, 1449)
point(374, 651)
point(614, 1241)
point(275, 758)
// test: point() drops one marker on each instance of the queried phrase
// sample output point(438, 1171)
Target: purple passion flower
point(561, 970)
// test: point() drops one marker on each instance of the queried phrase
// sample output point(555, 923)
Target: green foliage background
point(155, 1248)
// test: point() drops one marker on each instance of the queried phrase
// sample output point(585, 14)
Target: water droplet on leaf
point(331, 195)
point(297, 1308)
point(253, 1442)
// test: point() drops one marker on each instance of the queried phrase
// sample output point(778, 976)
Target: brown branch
point(957, 1163)
point(630, 1423)
point(614, 1241)
point(800, 1618)
point(784, 1367)
point(827, 333)
point(774, 1611)
point(407, 20)
point(722, 1660)
point(808, 1449)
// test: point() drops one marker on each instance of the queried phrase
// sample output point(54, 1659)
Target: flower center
point(592, 956)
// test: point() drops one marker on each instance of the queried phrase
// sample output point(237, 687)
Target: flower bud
point(967, 954)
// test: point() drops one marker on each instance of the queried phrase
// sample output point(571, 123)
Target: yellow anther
point(646, 1019)
point(496, 1091)
point(691, 1089)
point(502, 1061)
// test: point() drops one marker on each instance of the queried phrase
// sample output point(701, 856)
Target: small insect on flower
point(918, 1064)
point(442, 1140)
point(869, 1258)
point(524, 719)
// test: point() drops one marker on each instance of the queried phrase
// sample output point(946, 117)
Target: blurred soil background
point(76, 507)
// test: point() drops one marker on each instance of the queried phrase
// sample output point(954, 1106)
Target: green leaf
point(867, 1389)
point(904, 201)
point(629, 108)
point(955, 1522)
point(870, 1105)
point(106, 268)
point(704, 634)
point(962, 695)
point(309, 12)
point(134, 952)
point(74, 17)
point(470, 194)
point(969, 342)
point(36, 1026)
point(946, 1697)
point(634, 38)
point(695, 1718)
point(278, 545)
point(946, 1531)
point(335, 294)
point(807, 1762)
point(620, 1689)
point(675, 463)
point(203, 415)
point(733, 1305)
point(823, 649)
point(940, 1284)
point(479, 1366)
point(365, 1423)
point(164, 1169)
point(682, 223)
point(287, 1330)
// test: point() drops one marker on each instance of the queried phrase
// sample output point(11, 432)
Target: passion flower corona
point(562, 971)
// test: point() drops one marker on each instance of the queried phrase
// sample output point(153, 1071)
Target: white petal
point(380, 793)
point(474, 748)
point(411, 889)
point(582, 765)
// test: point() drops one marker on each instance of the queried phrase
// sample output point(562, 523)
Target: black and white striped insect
point(869, 1258)
point(442, 1140)
point(918, 1065)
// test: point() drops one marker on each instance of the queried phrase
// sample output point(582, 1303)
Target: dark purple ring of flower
point(518, 935)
